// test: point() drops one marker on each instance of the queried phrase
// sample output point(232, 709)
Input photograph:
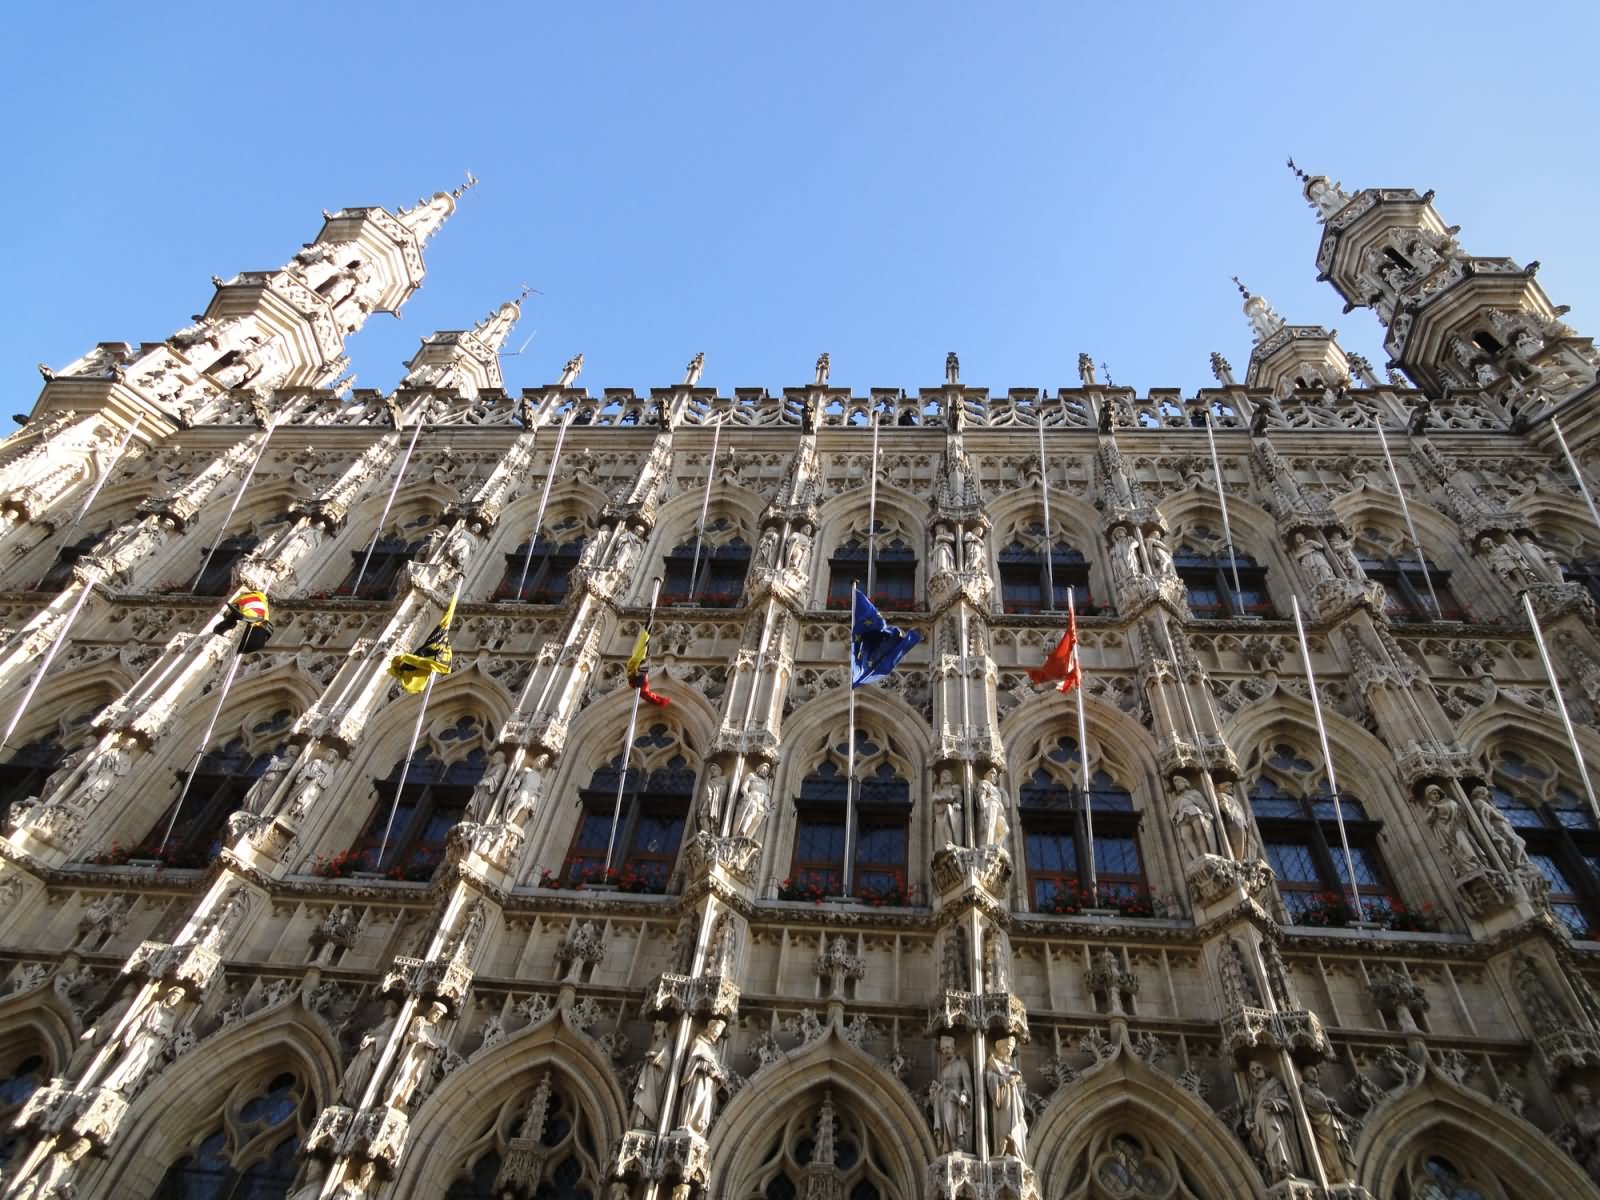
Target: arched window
point(650, 824)
point(827, 1139)
point(1432, 1176)
point(1056, 841)
point(713, 577)
point(540, 1145)
point(250, 1156)
point(59, 574)
point(1124, 1164)
point(390, 553)
point(1559, 830)
point(1300, 837)
point(882, 824)
point(1026, 585)
point(214, 578)
point(221, 779)
point(541, 578)
point(894, 586)
point(1410, 583)
point(419, 812)
point(24, 774)
point(24, 1074)
point(1207, 570)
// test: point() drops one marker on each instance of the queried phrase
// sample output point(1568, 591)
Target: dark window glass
point(649, 824)
point(25, 773)
point(215, 578)
point(1561, 839)
point(883, 809)
point(418, 815)
point(712, 579)
point(1057, 841)
point(894, 584)
point(59, 574)
point(1406, 595)
point(220, 782)
point(541, 579)
point(390, 554)
point(1300, 835)
point(1213, 593)
point(1027, 587)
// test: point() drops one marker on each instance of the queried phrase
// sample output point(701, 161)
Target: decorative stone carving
point(1008, 1102)
point(950, 1101)
point(1112, 984)
point(1269, 1121)
point(581, 951)
point(839, 966)
point(702, 1074)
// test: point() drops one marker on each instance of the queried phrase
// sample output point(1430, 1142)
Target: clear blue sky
point(766, 181)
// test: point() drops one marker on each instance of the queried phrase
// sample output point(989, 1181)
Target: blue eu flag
point(875, 648)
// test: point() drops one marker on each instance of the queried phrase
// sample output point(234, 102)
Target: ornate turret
point(1292, 356)
point(1454, 321)
point(466, 360)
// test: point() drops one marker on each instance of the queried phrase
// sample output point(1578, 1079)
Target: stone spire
point(424, 219)
point(1296, 357)
point(467, 360)
point(1326, 197)
point(1264, 322)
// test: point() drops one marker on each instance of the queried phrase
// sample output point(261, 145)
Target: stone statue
point(102, 770)
point(1502, 834)
point(314, 777)
point(526, 795)
point(1345, 556)
point(1125, 554)
point(262, 791)
point(767, 548)
point(1584, 1130)
point(798, 552)
point(944, 549)
point(1192, 820)
point(1505, 563)
point(972, 556)
point(947, 809)
point(1008, 1105)
point(146, 1042)
point(102, 920)
point(1160, 557)
point(1235, 828)
point(952, 368)
point(488, 783)
point(1444, 814)
point(1542, 561)
point(1268, 1121)
point(701, 1075)
point(993, 824)
point(359, 1071)
point(996, 962)
point(1313, 561)
point(1327, 198)
point(1330, 1128)
point(755, 800)
point(424, 1042)
point(709, 812)
point(950, 1099)
point(652, 1081)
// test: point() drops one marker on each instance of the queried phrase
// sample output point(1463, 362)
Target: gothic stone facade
point(340, 976)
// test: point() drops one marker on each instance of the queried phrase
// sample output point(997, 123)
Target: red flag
point(1063, 661)
point(642, 682)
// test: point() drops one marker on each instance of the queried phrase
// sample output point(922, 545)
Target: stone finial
point(952, 368)
point(570, 371)
point(428, 215)
point(821, 379)
point(1222, 369)
point(691, 373)
point(1085, 369)
point(1264, 322)
point(1324, 196)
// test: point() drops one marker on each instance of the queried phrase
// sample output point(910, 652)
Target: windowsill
point(1355, 932)
point(851, 904)
point(1114, 918)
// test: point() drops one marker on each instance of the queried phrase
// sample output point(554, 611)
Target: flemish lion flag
point(1063, 661)
point(638, 676)
point(430, 658)
point(251, 609)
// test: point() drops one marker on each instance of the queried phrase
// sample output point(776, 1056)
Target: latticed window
point(24, 774)
point(894, 571)
point(1295, 813)
point(650, 821)
point(540, 577)
point(24, 1072)
point(1584, 571)
point(1414, 588)
point(389, 555)
point(882, 823)
point(59, 574)
point(1222, 586)
point(713, 576)
point(567, 1163)
point(1124, 1164)
point(420, 811)
point(1056, 819)
point(827, 1139)
point(1555, 822)
point(1432, 1176)
point(1026, 586)
point(251, 1154)
point(221, 779)
point(215, 578)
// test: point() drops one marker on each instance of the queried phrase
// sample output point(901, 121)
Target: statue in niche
point(526, 795)
point(359, 1071)
point(767, 549)
point(1344, 556)
point(488, 783)
point(701, 1075)
point(651, 1084)
point(1330, 1128)
point(996, 962)
point(1268, 1121)
point(797, 552)
point(947, 809)
point(755, 801)
point(1502, 833)
point(1444, 814)
point(1235, 825)
point(1192, 820)
point(1126, 555)
point(1313, 560)
point(950, 1099)
point(424, 1042)
point(1582, 1134)
point(955, 967)
point(944, 549)
point(709, 811)
point(146, 1042)
point(993, 824)
point(1505, 562)
point(313, 779)
point(1008, 1103)
point(972, 556)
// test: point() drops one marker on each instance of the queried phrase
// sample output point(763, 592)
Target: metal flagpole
point(1327, 759)
point(1044, 496)
point(633, 724)
point(116, 457)
point(1222, 503)
point(205, 740)
point(1561, 705)
point(872, 518)
point(405, 461)
point(544, 499)
point(1083, 752)
point(705, 507)
point(1405, 511)
point(850, 739)
point(232, 508)
point(1572, 465)
point(49, 657)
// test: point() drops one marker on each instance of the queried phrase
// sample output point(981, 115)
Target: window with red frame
point(1406, 594)
point(894, 572)
point(1560, 834)
point(1026, 586)
point(1056, 833)
point(542, 577)
point(1214, 595)
point(882, 824)
point(1300, 837)
point(426, 806)
point(650, 825)
point(712, 579)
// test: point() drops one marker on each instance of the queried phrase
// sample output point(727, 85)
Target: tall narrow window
point(1300, 835)
point(426, 806)
point(1056, 820)
point(881, 834)
point(1222, 587)
point(24, 774)
point(656, 795)
point(390, 553)
point(60, 573)
point(894, 586)
point(1562, 841)
point(215, 577)
point(542, 577)
point(714, 576)
point(1026, 585)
